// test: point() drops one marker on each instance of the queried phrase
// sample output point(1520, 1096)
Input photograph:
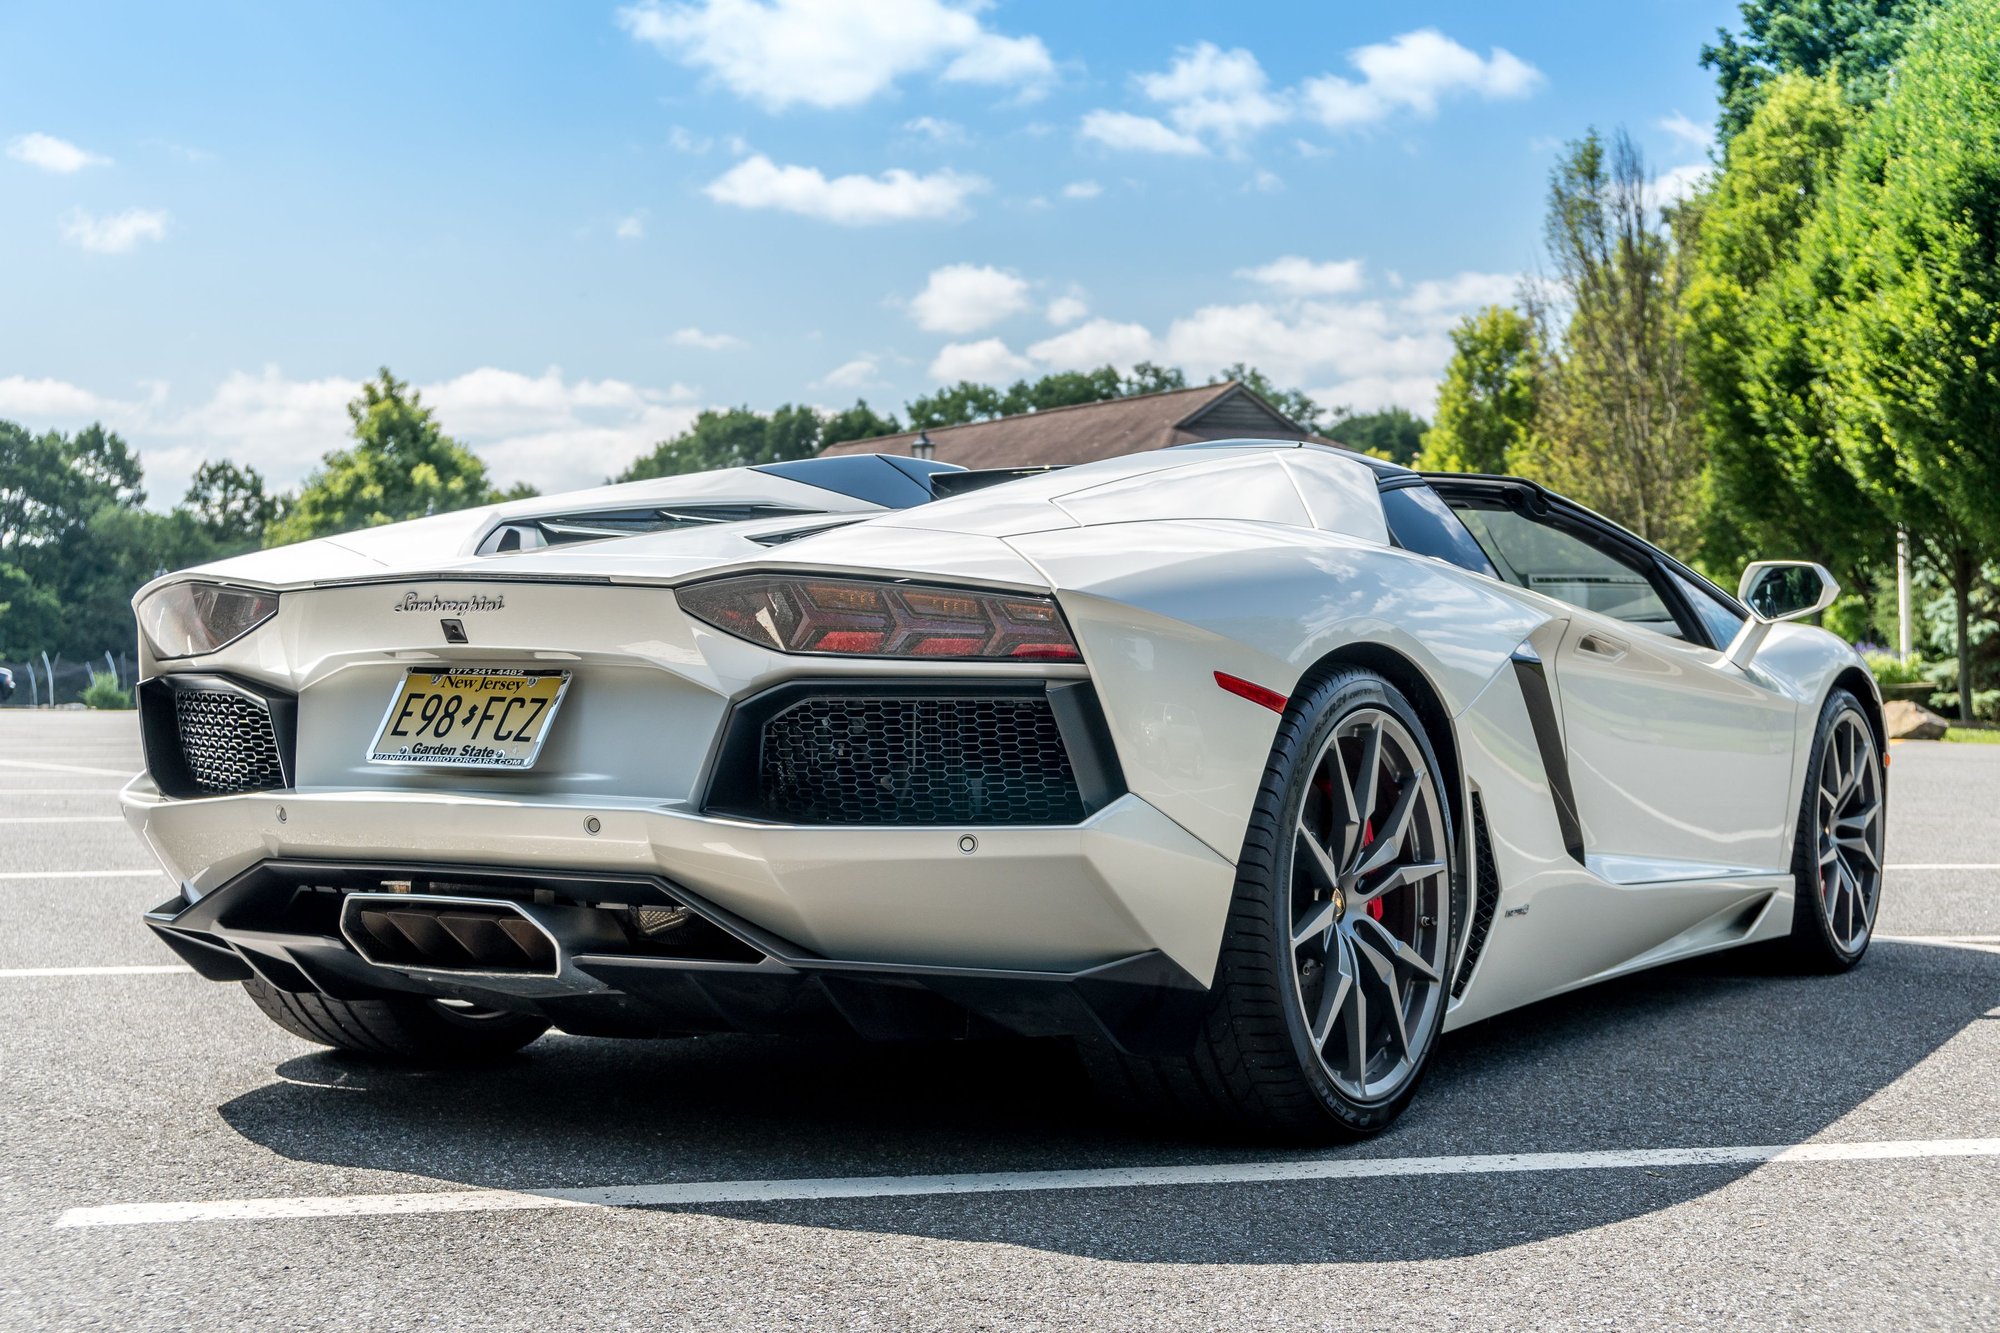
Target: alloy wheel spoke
point(1332, 997)
point(1367, 775)
point(1411, 872)
point(1395, 828)
point(1318, 917)
point(1357, 1019)
point(1397, 950)
point(1385, 972)
point(1319, 862)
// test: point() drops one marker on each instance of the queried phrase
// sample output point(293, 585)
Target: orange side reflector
point(1255, 693)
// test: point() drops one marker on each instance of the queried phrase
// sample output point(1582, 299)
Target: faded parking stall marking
point(700, 1193)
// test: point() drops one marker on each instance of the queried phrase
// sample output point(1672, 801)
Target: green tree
point(1146, 377)
point(1064, 388)
point(1857, 41)
point(734, 437)
point(1393, 433)
point(1911, 235)
point(230, 504)
point(402, 466)
point(1756, 319)
point(74, 543)
point(1617, 424)
point(1490, 396)
point(859, 422)
point(954, 405)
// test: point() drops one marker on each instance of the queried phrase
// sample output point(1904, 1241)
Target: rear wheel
point(1837, 861)
point(406, 1030)
point(1331, 986)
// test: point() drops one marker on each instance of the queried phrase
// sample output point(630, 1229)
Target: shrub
point(105, 692)
point(1889, 669)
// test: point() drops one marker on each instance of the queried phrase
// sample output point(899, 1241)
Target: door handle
point(1601, 646)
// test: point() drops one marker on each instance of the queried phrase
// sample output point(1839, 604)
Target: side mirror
point(1777, 590)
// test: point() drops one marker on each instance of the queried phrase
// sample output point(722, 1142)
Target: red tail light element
point(865, 618)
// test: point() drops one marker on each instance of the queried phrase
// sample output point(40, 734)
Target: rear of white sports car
point(672, 781)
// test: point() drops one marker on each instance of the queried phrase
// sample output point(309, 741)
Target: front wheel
point(1837, 860)
point(1332, 982)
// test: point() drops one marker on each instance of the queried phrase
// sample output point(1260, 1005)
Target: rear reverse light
point(863, 618)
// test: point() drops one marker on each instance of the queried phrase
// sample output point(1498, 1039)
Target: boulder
point(1912, 721)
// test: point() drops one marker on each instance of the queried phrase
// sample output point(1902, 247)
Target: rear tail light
point(191, 619)
point(864, 618)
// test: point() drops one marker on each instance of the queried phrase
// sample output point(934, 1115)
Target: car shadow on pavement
point(1703, 1054)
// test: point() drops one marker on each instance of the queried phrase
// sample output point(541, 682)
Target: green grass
point(1976, 735)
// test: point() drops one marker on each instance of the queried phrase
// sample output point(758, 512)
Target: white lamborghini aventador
point(1252, 765)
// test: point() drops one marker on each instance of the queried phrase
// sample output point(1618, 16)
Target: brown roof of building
point(1089, 431)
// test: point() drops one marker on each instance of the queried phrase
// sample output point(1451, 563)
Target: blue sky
point(574, 225)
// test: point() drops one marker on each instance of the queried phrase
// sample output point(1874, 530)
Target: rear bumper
point(1126, 881)
point(283, 921)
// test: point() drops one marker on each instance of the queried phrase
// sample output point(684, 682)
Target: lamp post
point(923, 448)
point(1903, 594)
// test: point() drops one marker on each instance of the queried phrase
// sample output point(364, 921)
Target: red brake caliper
point(1368, 836)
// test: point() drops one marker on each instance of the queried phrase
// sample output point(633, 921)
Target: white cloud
point(1138, 134)
point(708, 342)
point(631, 228)
point(53, 154)
point(964, 298)
point(1414, 72)
point(1082, 190)
point(32, 398)
point(834, 53)
point(1213, 96)
point(1461, 292)
point(859, 373)
point(1692, 133)
point(988, 361)
point(546, 429)
point(1676, 183)
point(937, 130)
point(113, 233)
point(1212, 91)
point(856, 201)
point(1067, 310)
point(1096, 343)
point(1296, 275)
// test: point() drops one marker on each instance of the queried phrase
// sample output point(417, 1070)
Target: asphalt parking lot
point(737, 1177)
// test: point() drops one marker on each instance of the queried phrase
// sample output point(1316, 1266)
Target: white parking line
point(1943, 865)
point(63, 819)
point(1978, 944)
point(80, 874)
point(68, 768)
point(707, 1192)
point(136, 970)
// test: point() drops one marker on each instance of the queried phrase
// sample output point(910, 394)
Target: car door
point(1680, 762)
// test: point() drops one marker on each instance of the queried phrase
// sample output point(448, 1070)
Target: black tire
point(412, 1031)
point(1254, 1065)
point(1832, 923)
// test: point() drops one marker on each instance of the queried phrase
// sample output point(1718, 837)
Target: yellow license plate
point(470, 717)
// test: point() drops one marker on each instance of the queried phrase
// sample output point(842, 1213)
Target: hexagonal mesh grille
point(227, 741)
point(864, 760)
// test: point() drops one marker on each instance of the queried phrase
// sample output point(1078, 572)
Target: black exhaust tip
point(483, 936)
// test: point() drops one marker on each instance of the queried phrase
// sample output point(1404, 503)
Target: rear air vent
point(215, 736)
point(532, 534)
point(1486, 898)
point(917, 753)
point(918, 761)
